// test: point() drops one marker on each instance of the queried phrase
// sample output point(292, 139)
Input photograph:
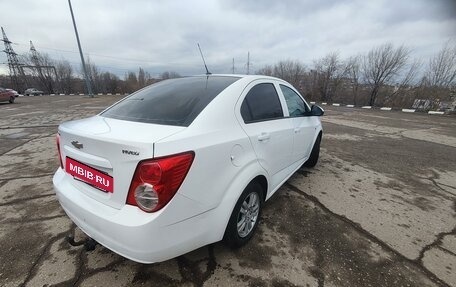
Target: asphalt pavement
point(379, 209)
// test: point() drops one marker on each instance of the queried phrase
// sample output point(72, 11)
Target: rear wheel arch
point(232, 235)
point(261, 179)
point(253, 172)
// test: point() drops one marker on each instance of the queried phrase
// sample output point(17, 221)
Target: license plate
point(89, 175)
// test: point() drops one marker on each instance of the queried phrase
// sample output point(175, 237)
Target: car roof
point(252, 77)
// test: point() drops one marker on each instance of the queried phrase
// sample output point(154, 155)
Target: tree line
point(59, 76)
point(385, 75)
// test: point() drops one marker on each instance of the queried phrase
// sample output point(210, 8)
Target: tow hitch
point(89, 243)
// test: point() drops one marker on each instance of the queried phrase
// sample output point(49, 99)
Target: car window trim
point(265, 120)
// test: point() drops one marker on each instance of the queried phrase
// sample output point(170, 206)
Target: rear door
point(304, 125)
point(262, 117)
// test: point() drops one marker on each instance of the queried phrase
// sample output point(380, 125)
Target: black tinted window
point(171, 102)
point(261, 103)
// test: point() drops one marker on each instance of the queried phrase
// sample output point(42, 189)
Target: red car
point(7, 95)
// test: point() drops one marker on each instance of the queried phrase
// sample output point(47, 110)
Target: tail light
point(57, 139)
point(156, 181)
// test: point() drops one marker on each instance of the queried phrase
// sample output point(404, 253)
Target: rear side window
point(261, 103)
point(171, 102)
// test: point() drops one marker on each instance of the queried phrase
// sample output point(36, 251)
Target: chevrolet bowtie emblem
point(77, 144)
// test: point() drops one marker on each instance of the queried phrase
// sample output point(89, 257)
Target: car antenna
point(202, 57)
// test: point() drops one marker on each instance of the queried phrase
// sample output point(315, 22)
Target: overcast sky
point(162, 35)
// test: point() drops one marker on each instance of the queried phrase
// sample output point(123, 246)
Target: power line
point(122, 59)
point(106, 56)
point(78, 63)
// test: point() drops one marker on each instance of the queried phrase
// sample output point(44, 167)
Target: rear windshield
point(171, 102)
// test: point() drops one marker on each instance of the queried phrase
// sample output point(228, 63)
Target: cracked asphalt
point(379, 209)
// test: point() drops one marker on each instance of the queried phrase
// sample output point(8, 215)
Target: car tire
point(245, 216)
point(314, 154)
point(11, 100)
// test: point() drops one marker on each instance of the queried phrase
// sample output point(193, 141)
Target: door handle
point(263, 137)
point(297, 130)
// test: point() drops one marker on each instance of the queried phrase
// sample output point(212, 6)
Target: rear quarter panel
point(222, 150)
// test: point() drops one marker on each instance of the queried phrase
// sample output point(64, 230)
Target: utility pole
point(45, 78)
point(232, 69)
point(35, 60)
point(16, 71)
point(89, 87)
point(248, 63)
point(34, 52)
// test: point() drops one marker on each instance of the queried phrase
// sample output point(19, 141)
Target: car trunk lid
point(112, 147)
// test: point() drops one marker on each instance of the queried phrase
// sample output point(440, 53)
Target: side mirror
point(316, 111)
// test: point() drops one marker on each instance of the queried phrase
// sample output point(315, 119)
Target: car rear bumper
point(130, 232)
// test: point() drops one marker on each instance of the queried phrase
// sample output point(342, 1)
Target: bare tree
point(267, 70)
point(404, 88)
point(93, 74)
point(169, 75)
point(131, 82)
point(382, 65)
point(42, 68)
point(141, 78)
point(290, 71)
point(353, 69)
point(311, 89)
point(329, 72)
point(441, 71)
point(109, 82)
point(407, 78)
point(64, 73)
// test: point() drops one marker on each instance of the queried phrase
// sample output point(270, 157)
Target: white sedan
point(184, 162)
